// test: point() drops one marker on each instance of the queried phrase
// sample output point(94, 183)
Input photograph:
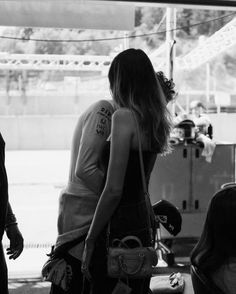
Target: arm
point(95, 132)
point(121, 136)
point(13, 234)
point(7, 218)
point(10, 219)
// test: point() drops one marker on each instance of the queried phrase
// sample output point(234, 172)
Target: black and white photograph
point(117, 146)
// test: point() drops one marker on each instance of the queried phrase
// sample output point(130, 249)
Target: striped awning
point(67, 14)
point(89, 14)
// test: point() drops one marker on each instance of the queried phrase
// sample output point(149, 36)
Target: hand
point(86, 258)
point(16, 241)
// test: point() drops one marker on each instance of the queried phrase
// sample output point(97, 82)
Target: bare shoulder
point(123, 116)
point(123, 123)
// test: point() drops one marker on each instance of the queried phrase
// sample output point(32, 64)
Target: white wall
point(35, 132)
point(224, 125)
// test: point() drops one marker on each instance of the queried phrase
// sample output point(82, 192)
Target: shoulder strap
point(151, 218)
point(140, 155)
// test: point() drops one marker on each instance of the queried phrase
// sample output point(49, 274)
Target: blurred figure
point(197, 108)
point(195, 128)
point(141, 109)
point(203, 129)
point(8, 224)
point(215, 253)
point(198, 116)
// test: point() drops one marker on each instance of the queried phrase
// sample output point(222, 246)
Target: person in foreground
point(215, 253)
point(8, 224)
point(136, 92)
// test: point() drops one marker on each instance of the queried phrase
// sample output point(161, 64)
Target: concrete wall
point(45, 121)
point(52, 103)
point(35, 132)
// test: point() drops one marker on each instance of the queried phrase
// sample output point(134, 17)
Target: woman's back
point(131, 215)
point(132, 185)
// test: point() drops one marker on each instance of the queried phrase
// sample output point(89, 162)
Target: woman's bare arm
point(121, 137)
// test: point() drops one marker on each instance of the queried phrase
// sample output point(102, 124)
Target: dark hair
point(168, 86)
point(218, 240)
point(134, 85)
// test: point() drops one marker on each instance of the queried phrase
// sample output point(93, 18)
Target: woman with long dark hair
point(137, 95)
point(215, 253)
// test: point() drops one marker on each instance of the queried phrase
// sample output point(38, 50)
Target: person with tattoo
point(79, 199)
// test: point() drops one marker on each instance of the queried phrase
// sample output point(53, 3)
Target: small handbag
point(135, 262)
point(132, 262)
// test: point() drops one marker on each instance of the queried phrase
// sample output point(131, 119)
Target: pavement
point(35, 181)
point(28, 287)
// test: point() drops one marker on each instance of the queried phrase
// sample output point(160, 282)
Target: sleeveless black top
point(131, 217)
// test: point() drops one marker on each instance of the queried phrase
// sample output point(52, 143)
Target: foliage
point(147, 20)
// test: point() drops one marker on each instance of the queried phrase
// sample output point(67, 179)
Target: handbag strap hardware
point(124, 267)
point(124, 242)
point(118, 243)
point(132, 238)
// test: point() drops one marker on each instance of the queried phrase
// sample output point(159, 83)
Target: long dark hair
point(218, 240)
point(134, 85)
